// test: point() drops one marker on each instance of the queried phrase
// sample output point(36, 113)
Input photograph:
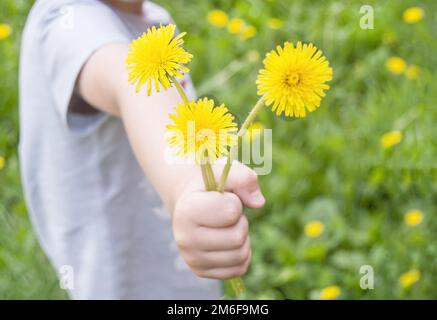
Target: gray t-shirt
point(93, 209)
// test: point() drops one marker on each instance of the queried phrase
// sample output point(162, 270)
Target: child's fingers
point(210, 209)
point(214, 239)
point(224, 273)
point(243, 181)
point(219, 259)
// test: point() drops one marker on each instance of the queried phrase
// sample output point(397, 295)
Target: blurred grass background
point(337, 198)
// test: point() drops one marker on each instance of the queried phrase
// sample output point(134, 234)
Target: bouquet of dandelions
point(293, 82)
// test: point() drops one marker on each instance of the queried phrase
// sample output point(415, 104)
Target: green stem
point(237, 285)
point(207, 173)
point(246, 124)
point(205, 177)
point(179, 89)
point(225, 173)
point(211, 176)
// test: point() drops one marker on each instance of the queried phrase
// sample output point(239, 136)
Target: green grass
point(328, 167)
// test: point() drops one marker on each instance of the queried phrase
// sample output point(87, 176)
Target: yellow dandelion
point(330, 293)
point(391, 139)
point(413, 218)
point(396, 65)
point(275, 23)
point(5, 31)
point(2, 162)
point(236, 25)
point(201, 127)
point(413, 72)
point(155, 56)
point(409, 278)
point(294, 79)
point(254, 131)
point(314, 229)
point(248, 32)
point(413, 15)
point(218, 18)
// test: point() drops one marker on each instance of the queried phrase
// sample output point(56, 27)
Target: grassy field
point(342, 193)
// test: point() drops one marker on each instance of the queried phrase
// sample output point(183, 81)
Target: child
point(93, 168)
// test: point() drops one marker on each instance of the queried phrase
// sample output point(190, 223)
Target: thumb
point(243, 181)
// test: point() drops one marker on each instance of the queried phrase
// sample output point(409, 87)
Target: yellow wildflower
point(5, 31)
point(330, 293)
point(314, 229)
point(396, 65)
point(2, 162)
point(413, 218)
point(218, 18)
point(155, 56)
point(294, 79)
point(391, 139)
point(409, 278)
point(236, 25)
point(413, 15)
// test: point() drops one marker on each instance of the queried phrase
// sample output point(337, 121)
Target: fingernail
point(258, 197)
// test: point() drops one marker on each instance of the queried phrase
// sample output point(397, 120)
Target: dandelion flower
point(218, 18)
point(330, 293)
point(314, 229)
point(254, 131)
point(2, 162)
point(275, 23)
point(413, 218)
point(396, 65)
point(391, 139)
point(409, 278)
point(413, 72)
point(201, 127)
point(155, 56)
point(293, 81)
point(236, 25)
point(413, 15)
point(5, 31)
point(248, 32)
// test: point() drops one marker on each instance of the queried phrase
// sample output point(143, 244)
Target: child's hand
point(210, 228)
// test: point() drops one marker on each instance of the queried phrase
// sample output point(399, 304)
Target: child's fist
point(210, 228)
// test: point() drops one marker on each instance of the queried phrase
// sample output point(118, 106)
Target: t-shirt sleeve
point(71, 33)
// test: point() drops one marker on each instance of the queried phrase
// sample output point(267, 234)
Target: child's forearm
point(145, 119)
point(103, 83)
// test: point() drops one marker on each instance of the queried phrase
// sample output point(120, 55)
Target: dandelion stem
point(179, 89)
point(246, 124)
point(205, 177)
point(237, 285)
point(207, 173)
point(211, 176)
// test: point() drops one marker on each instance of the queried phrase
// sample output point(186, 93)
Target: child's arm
point(209, 228)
